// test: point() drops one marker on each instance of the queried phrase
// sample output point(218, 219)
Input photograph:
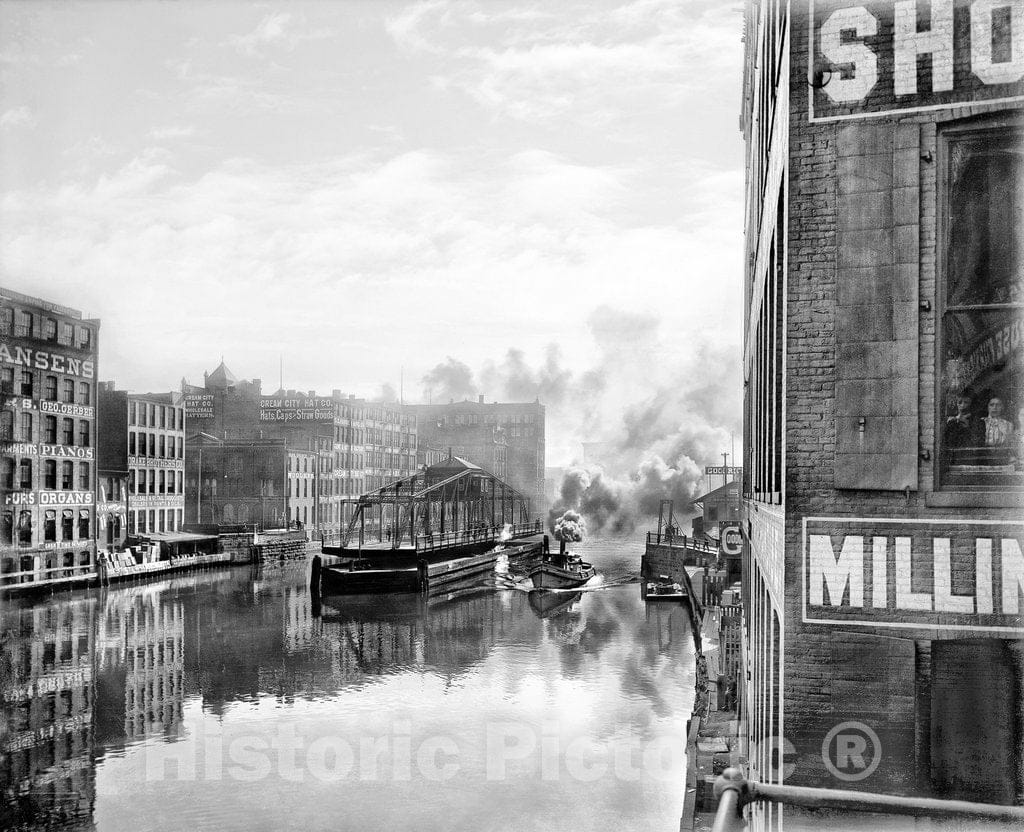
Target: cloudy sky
point(365, 186)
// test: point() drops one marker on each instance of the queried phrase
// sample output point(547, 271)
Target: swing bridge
point(448, 506)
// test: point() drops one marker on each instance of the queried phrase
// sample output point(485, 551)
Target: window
point(163, 482)
point(84, 337)
point(131, 482)
point(26, 383)
point(50, 473)
point(7, 472)
point(67, 333)
point(67, 430)
point(67, 475)
point(25, 528)
point(67, 524)
point(50, 429)
point(152, 444)
point(23, 327)
point(132, 413)
point(6, 425)
point(69, 391)
point(131, 443)
point(84, 393)
point(25, 470)
point(6, 320)
point(50, 329)
point(26, 426)
point(83, 524)
point(83, 478)
point(50, 388)
point(163, 447)
point(152, 481)
point(50, 526)
point(981, 406)
point(160, 416)
point(7, 527)
point(83, 433)
point(6, 379)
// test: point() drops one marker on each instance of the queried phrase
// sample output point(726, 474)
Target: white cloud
point(172, 131)
point(276, 29)
point(18, 117)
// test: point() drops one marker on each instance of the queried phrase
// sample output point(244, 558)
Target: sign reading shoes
point(873, 58)
point(930, 574)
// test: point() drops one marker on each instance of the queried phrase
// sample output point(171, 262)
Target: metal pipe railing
point(734, 792)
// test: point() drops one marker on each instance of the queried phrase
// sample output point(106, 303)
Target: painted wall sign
point(878, 57)
point(199, 405)
point(767, 546)
point(929, 574)
point(157, 501)
point(64, 409)
point(43, 360)
point(152, 462)
point(278, 409)
point(41, 449)
point(718, 470)
point(66, 498)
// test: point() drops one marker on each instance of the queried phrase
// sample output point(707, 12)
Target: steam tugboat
point(564, 570)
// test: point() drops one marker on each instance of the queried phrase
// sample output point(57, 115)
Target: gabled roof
point(723, 492)
point(454, 463)
point(221, 378)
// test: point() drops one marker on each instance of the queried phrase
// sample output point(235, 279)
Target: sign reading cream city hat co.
point(865, 58)
point(927, 574)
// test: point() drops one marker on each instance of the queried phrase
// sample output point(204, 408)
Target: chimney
point(480, 398)
point(561, 547)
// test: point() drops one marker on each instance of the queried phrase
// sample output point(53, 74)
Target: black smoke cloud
point(451, 379)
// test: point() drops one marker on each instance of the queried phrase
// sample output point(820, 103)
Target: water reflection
point(95, 686)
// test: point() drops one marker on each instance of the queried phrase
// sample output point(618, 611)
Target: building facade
point(112, 465)
point(48, 365)
point(156, 463)
point(357, 445)
point(883, 480)
point(504, 438)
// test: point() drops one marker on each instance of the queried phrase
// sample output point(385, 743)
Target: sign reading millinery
point(199, 405)
point(33, 449)
point(924, 574)
point(278, 409)
point(64, 409)
point(43, 360)
point(718, 470)
point(873, 58)
point(730, 538)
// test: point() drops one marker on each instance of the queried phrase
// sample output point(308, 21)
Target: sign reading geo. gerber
point(932, 574)
point(873, 58)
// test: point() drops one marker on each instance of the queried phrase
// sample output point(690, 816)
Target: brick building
point(506, 439)
point(356, 445)
point(143, 434)
point(48, 360)
point(883, 478)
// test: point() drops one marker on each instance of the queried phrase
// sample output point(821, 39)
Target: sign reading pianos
point(925, 574)
point(875, 58)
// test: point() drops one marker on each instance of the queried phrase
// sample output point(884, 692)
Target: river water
point(229, 700)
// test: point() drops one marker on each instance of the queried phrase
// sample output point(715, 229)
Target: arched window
point(67, 524)
point(84, 522)
point(50, 526)
point(25, 528)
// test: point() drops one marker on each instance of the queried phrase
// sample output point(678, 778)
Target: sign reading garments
point(873, 58)
point(928, 574)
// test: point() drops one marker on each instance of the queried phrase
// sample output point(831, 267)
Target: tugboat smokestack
point(561, 547)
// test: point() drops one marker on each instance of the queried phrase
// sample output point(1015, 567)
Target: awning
point(176, 537)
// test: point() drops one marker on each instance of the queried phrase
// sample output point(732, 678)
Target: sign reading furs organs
point(929, 574)
point(874, 58)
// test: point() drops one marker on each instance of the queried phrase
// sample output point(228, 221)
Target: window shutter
point(878, 237)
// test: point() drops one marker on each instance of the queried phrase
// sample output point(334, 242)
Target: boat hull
point(549, 576)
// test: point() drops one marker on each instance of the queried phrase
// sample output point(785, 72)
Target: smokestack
point(561, 547)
